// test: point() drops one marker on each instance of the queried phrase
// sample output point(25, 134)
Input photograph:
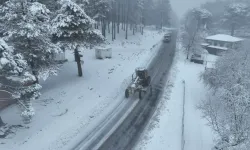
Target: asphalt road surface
point(126, 134)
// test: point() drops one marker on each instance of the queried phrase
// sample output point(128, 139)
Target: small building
point(60, 57)
point(216, 44)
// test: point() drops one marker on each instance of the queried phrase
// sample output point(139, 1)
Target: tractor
point(140, 83)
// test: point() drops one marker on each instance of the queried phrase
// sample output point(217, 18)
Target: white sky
point(181, 6)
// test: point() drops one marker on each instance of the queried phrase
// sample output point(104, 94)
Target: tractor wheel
point(140, 94)
point(126, 93)
point(148, 81)
point(151, 91)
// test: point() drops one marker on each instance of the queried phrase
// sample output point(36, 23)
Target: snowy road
point(121, 129)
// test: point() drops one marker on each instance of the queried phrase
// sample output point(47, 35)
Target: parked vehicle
point(197, 58)
point(167, 38)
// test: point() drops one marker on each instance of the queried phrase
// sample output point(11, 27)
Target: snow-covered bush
point(228, 105)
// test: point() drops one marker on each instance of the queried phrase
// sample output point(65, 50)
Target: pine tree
point(98, 10)
point(16, 79)
point(72, 26)
point(27, 26)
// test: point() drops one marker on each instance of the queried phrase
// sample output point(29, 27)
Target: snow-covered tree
point(97, 9)
point(52, 5)
point(15, 77)
point(72, 26)
point(163, 9)
point(236, 15)
point(228, 105)
point(194, 28)
point(27, 27)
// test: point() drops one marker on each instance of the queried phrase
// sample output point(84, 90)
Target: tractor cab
point(140, 83)
point(142, 73)
point(143, 78)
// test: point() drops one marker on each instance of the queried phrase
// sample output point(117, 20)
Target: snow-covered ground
point(71, 106)
point(164, 131)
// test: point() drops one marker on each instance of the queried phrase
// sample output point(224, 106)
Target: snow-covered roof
point(224, 37)
point(217, 47)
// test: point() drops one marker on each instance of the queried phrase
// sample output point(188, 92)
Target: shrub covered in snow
point(228, 105)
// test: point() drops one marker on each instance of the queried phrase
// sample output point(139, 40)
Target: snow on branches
point(14, 75)
point(236, 15)
point(228, 105)
point(73, 26)
point(27, 27)
point(195, 29)
point(10, 64)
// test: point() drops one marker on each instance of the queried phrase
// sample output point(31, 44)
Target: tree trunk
point(187, 52)
point(78, 61)
point(124, 17)
point(134, 29)
point(126, 36)
point(1, 122)
point(115, 17)
point(192, 40)
point(112, 20)
point(35, 73)
point(114, 31)
point(79, 67)
point(118, 17)
point(103, 27)
point(161, 19)
point(109, 27)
